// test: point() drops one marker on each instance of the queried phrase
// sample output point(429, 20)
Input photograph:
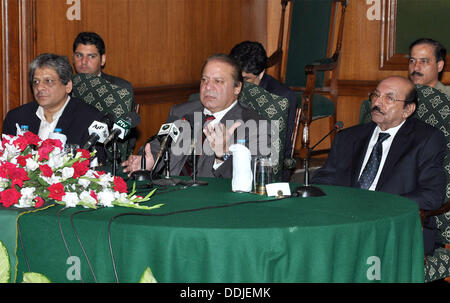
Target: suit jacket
point(74, 121)
point(185, 113)
point(413, 167)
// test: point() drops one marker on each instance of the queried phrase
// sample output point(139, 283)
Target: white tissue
point(242, 171)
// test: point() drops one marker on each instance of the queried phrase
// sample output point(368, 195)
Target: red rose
point(31, 138)
point(21, 142)
point(84, 153)
point(120, 185)
point(39, 202)
point(80, 169)
point(17, 175)
point(5, 168)
point(46, 170)
point(22, 160)
point(98, 173)
point(56, 191)
point(9, 197)
point(47, 147)
point(94, 195)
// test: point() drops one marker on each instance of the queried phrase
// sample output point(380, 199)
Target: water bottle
point(23, 129)
point(57, 134)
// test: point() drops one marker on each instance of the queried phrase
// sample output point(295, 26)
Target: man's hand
point(219, 137)
point(133, 162)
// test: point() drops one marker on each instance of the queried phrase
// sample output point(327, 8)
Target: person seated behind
point(89, 57)
point(409, 159)
point(425, 67)
point(220, 86)
point(50, 77)
point(252, 58)
point(426, 63)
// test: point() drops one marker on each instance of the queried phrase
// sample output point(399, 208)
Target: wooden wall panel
point(151, 43)
point(361, 54)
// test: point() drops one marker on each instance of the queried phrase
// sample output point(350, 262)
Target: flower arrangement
point(35, 171)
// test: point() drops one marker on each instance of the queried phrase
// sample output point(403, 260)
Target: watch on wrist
point(224, 157)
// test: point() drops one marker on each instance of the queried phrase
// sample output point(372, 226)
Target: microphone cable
point(175, 213)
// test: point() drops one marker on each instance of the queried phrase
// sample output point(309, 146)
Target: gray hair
point(60, 64)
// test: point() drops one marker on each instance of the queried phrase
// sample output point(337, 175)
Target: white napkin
point(242, 171)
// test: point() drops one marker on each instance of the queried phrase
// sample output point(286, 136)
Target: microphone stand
point(166, 180)
point(308, 190)
point(114, 162)
point(194, 181)
point(142, 174)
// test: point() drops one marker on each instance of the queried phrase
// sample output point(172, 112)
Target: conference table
point(209, 234)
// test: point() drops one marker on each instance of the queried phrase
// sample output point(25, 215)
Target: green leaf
point(34, 277)
point(5, 265)
point(147, 276)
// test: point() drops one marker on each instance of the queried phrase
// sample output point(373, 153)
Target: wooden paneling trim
point(356, 87)
point(389, 59)
point(165, 94)
point(17, 20)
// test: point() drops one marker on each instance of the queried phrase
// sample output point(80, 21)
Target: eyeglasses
point(46, 82)
point(373, 96)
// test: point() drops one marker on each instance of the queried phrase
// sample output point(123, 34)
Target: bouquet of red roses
point(34, 171)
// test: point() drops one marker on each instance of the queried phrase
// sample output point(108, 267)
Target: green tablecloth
point(349, 235)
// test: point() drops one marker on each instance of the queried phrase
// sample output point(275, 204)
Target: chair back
point(316, 32)
point(110, 99)
point(434, 109)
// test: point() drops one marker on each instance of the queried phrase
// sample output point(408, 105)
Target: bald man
point(395, 153)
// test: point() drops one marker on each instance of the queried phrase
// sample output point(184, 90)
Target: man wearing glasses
point(50, 79)
point(394, 153)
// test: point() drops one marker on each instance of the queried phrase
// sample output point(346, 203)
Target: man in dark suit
point(252, 58)
point(220, 86)
point(407, 161)
point(51, 82)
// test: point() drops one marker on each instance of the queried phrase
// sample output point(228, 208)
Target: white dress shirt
point(46, 127)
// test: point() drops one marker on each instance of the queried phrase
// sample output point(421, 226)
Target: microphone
point(122, 127)
point(307, 190)
point(171, 133)
point(98, 132)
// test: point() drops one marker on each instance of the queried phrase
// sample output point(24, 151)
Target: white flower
point(121, 197)
point(71, 199)
point(84, 182)
point(27, 197)
point(105, 198)
point(31, 164)
point(4, 183)
point(55, 160)
point(87, 198)
point(105, 180)
point(67, 172)
point(52, 180)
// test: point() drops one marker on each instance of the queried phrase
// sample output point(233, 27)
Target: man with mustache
point(220, 85)
point(426, 63)
point(394, 153)
point(50, 77)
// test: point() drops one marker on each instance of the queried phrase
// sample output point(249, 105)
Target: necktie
point(372, 165)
